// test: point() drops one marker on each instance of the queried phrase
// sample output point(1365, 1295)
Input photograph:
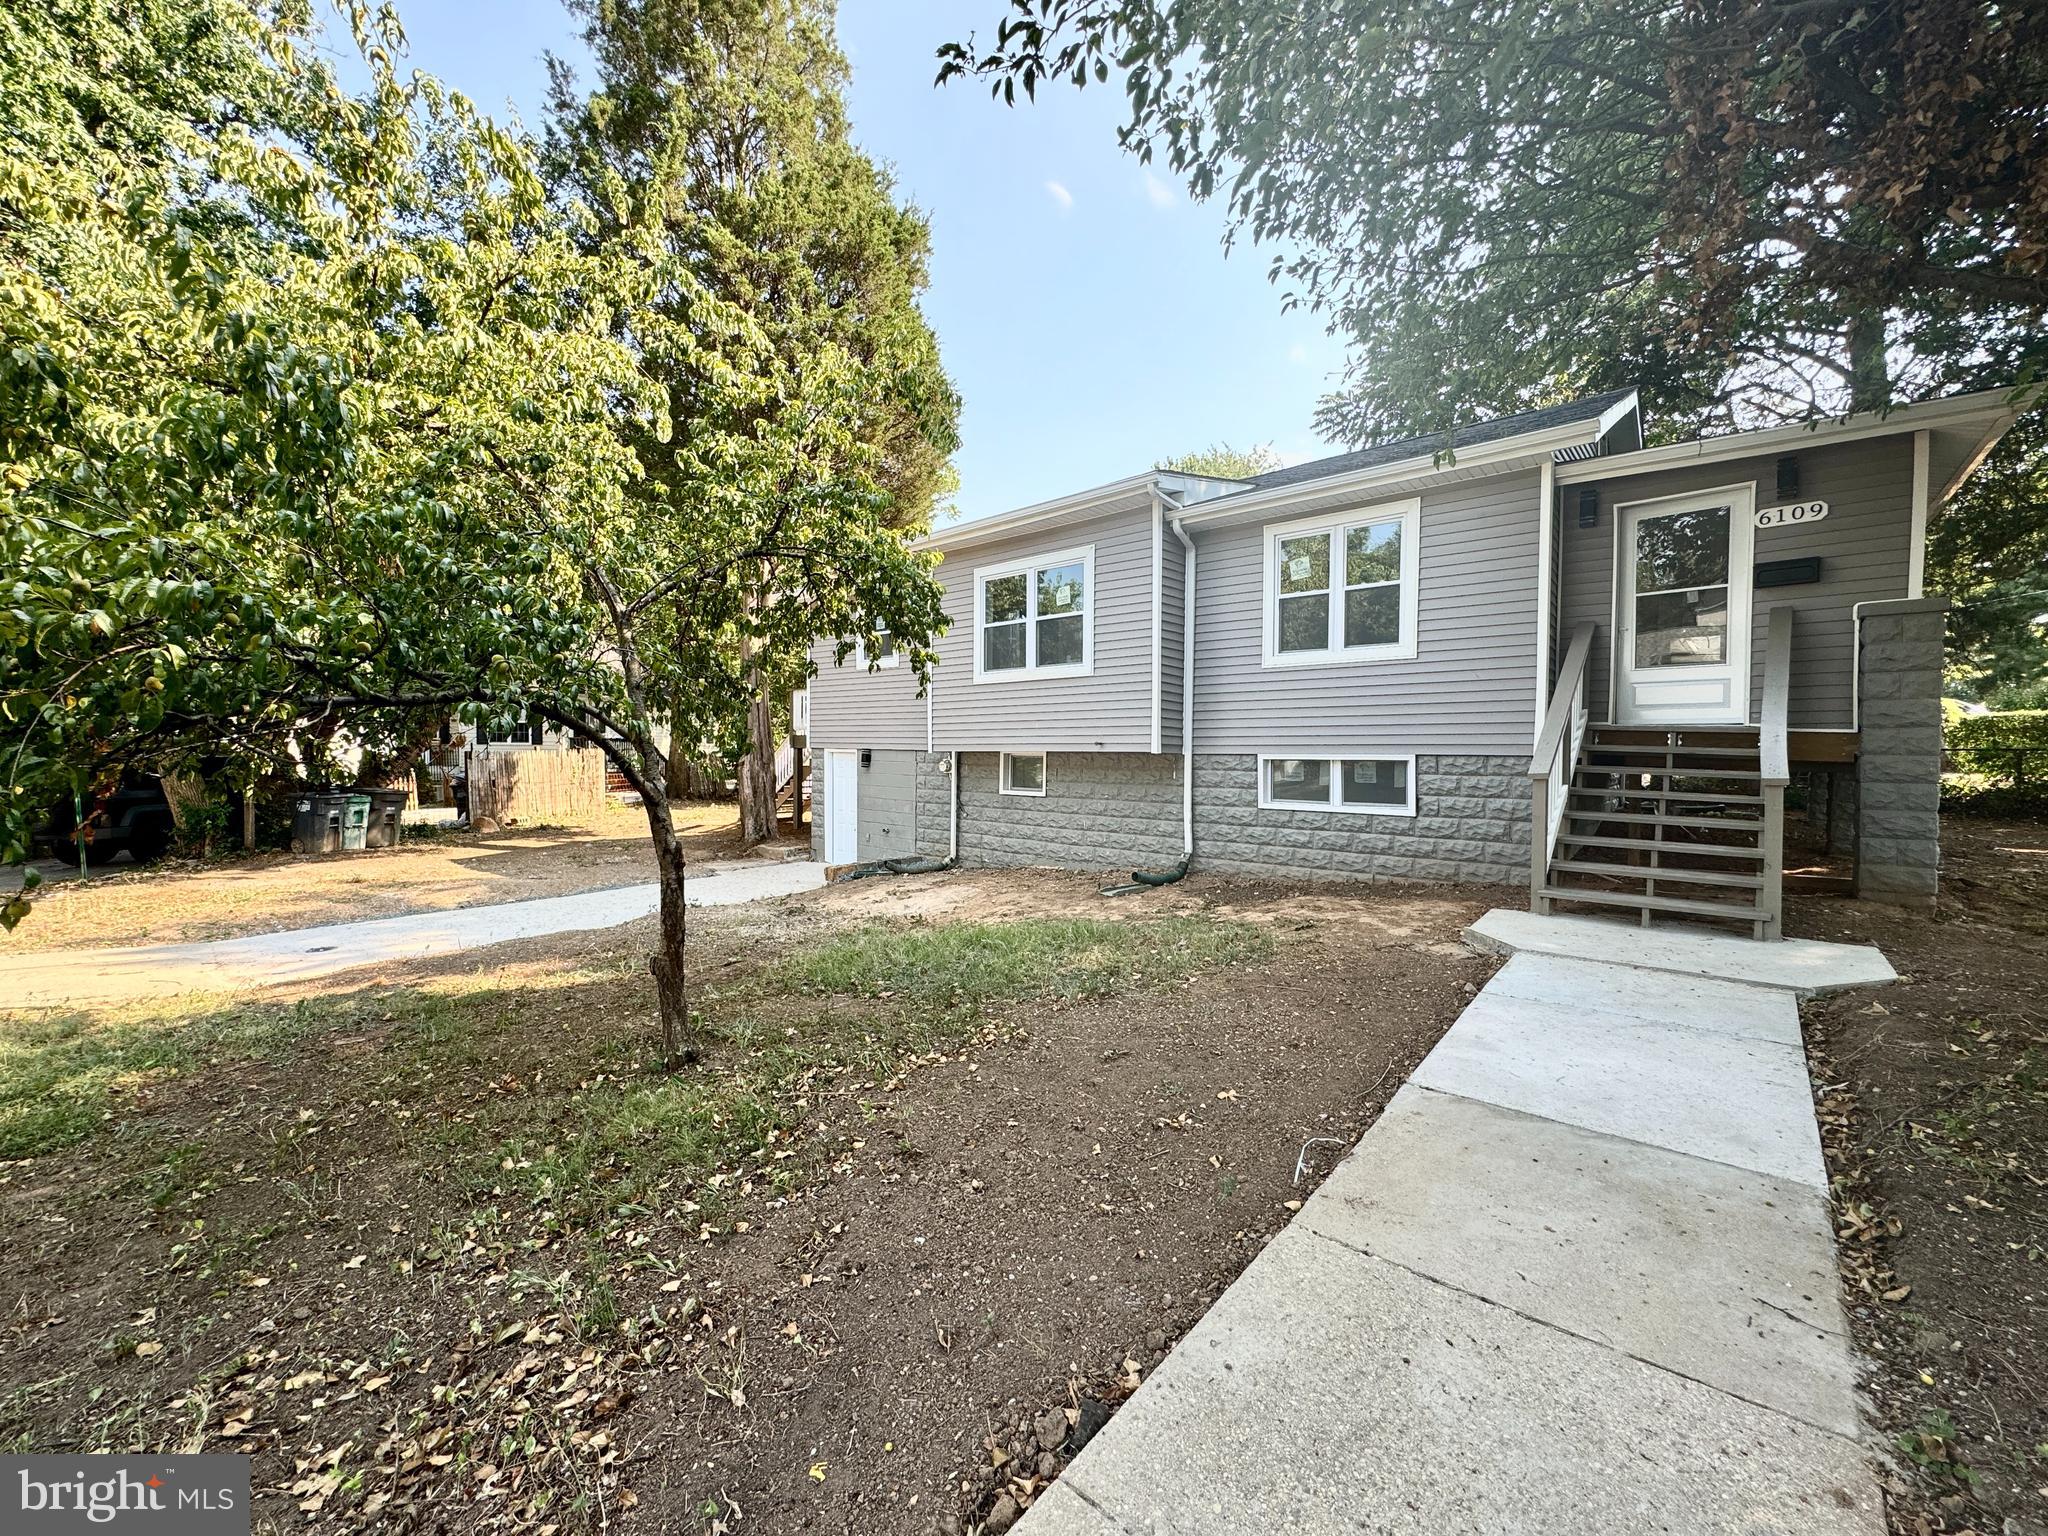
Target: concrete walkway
point(111, 975)
point(1578, 1277)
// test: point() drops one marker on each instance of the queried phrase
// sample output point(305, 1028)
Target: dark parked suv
point(136, 817)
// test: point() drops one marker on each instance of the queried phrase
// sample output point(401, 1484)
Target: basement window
point(884, 653)
point(1023, 773)
point(1358, 786)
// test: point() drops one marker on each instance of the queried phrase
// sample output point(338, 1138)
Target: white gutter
point(1005, 523)
point(1493, 455)
point(1958, 411)
point(953, 813)
point(1187, 692)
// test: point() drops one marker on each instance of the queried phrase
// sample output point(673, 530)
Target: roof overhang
point(1506, 455)
point(1113, 497)
point(1964, 428)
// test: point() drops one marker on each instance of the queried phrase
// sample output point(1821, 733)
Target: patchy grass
point(1018, 961)
point(447, 1250)
point(60, 1071)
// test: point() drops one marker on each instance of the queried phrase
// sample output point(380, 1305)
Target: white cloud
point(1060, 195)
point(1157, 190)
point(1298, 353)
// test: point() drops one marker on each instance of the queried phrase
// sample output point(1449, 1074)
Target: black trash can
point(316, 822)
point(387, 810)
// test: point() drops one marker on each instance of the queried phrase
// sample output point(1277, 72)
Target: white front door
point(842, 807)
point(1681, 624)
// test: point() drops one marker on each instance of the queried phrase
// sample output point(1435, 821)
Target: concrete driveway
point(157, 970)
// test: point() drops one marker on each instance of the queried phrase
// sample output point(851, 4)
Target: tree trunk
point(669, 963)
point(1870, 374)
point(757, 776)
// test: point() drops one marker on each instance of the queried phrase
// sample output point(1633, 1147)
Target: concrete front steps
point(1578, 1277)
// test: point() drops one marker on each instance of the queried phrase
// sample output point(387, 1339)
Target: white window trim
point(1409, 514)
point(1044, 774)
point(984, 574)
point(1336, 760)
point(860, 653)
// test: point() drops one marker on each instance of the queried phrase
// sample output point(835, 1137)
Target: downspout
point(1187, 695)
point(953, 815)
point(1187, 720)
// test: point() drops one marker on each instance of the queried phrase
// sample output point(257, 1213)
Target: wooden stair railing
point(1550, 768)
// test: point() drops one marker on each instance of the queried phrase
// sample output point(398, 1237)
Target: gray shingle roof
point(1589, 409)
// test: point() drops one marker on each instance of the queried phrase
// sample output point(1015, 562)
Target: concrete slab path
point(1578, 1277)
point(63, 977)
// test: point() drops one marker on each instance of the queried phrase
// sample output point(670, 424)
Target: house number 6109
point(1795, 512)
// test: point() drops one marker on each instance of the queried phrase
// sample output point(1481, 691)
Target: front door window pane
point(1682, 629)
point(1682, 549)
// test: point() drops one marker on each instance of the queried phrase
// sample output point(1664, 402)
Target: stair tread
point(1609, 728)
point(1626, 749)
point(1633, 770)
point(1646, 873)
point(1665, 794)
point(1676, 904)
point(1712, 850)
point(1668, 819)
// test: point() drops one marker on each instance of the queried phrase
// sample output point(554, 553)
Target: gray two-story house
point(1535, 650)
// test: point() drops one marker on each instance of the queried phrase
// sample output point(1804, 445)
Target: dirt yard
point(966, 1155)
point(1933, 1097)
point(182, 900)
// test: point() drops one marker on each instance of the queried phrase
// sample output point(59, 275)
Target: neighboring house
point(1537, 652)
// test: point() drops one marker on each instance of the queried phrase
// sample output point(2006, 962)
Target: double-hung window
point(1366, 786)
point(1341, 587)
point(1035, 618)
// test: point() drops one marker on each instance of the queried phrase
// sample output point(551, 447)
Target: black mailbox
point(1788, 573)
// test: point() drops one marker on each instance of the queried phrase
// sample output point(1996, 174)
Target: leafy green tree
point(723, 126)
point(1756, 213)
point(1226, 462)
point(1781, 208)
point(1989, 553)
point(316, 408)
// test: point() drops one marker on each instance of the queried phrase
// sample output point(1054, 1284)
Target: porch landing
point(1804, 967)
point(1579, 1276)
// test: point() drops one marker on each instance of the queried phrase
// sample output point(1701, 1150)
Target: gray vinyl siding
point(853, 707)
point(1172, 638)
point(1864, 544)
point(1107, 711)
point(1470, 688)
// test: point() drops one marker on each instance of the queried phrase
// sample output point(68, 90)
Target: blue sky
point(1084, 307)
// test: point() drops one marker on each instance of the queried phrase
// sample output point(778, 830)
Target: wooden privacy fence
point(537, 788)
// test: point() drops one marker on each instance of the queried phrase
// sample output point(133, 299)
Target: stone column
point(1898, 763)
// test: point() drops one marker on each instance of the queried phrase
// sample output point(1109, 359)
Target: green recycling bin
point(355, 824)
